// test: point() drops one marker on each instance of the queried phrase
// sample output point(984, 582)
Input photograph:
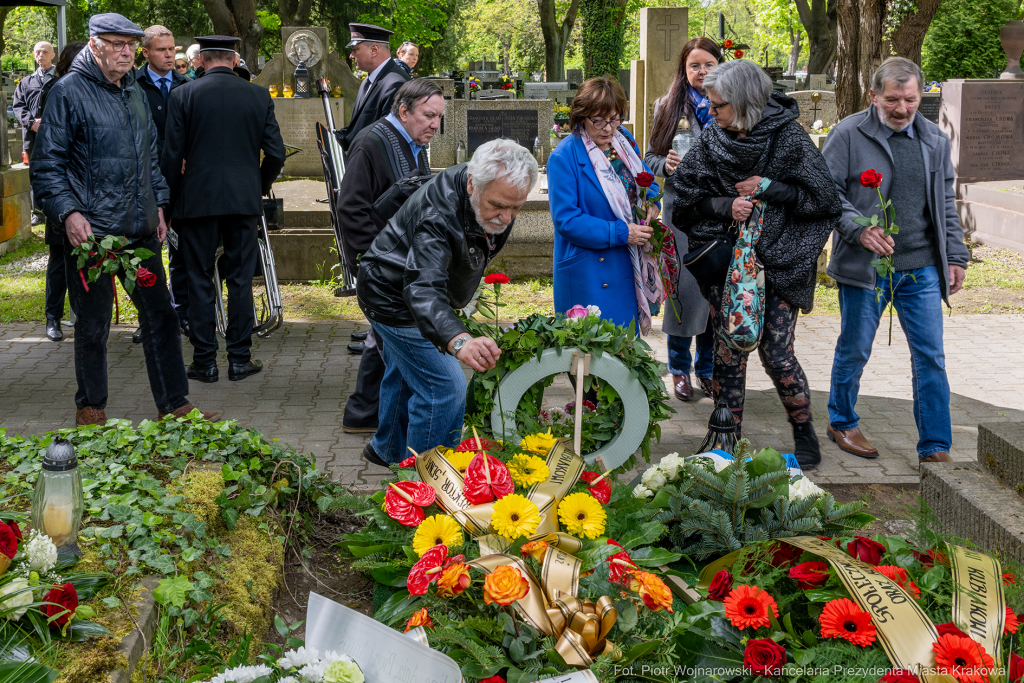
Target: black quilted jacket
point(96, 153)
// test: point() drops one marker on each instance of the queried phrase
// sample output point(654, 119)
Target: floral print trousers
point(777, 357)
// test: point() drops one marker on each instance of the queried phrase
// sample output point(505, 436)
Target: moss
point(90, 662)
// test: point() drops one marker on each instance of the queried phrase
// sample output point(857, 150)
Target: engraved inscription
point(483, 125)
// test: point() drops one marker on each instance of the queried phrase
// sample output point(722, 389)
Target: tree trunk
point(795, 39)
point(294, 12)
point(819, 19)
point(238, 18)
point(603, 39)
point(909, 35)
point(860, 52)
point(556, 36)
point(4, 11)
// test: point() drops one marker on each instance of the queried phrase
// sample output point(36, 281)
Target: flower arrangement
point(561, 112)
point(731, 49)
point(662, 243)
point(474, 83)
point(300, 665)
point(508, 83)
point(109, 255)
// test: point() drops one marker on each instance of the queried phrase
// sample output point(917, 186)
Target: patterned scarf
point(646, 280)
point(701, 106)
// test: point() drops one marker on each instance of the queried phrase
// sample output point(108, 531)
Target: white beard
point(888, 122)
point(491, 227)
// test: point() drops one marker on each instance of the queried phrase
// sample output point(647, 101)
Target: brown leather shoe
point(852, 441)
point(941, 456)
point(682, 387)
point(90, 416)
point(707, 385)
point(188, 408)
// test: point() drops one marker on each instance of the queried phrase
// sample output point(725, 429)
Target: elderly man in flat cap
point(95, 172)
point(369, 49)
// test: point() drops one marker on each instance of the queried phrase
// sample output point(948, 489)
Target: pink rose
point(577, 311)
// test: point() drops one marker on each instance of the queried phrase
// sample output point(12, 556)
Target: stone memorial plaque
point(931, 104)
point(297, 118)
point(984, 119)
point(484, 126)
point(539, 91)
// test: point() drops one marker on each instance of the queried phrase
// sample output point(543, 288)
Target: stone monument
point(816, 105)
point(473, 123)
point(663, 33)
point(1012, 37)
point(15, 195)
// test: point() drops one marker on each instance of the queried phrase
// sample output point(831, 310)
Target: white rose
point(804, 487)
point(670, 465)
point(653, 478)
point(594, 311)
point(642, 491)
point(21, 600)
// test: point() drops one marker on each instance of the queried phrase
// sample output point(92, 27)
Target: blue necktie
point(164, 89)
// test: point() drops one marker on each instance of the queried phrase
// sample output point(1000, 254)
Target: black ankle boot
point(808, 455)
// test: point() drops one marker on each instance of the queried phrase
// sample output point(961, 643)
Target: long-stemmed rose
point(662, 242)
point(496, 280)
point(883, 265)
point(111, 255)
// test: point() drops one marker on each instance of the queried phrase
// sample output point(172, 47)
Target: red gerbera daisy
point(901, 578)
point(842, 618)
point(749, 606)
point(1011, 624)
point(962, 658)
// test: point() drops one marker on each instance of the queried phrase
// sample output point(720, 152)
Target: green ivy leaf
point(172, 591)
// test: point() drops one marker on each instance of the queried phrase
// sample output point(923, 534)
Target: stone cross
point(668, 27)
point(815, 98)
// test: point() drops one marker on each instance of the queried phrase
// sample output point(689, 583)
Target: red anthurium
point(486, 479)
point(476, 444)
point(408, 462)
point(428, 569)
point(405, 500)
point(602, 490)
point(619, 564)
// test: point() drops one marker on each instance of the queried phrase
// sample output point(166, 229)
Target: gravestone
point(984, 119)
point(663, 33)
point(824, 109)
point(485, 125)
point(297, 118)
point(931, 105)
point(517, 119)
point(574, 75)
point(541, 91)
point(562, 96)
point(624, 81)
point(788, 85)
point(816, 82)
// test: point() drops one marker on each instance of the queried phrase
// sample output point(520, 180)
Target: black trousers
point(161, 341)
point(362, 405)
point(56, 283)
point(197, 240)
point(177, 274)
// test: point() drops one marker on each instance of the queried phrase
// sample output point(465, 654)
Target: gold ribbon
point(979, 606)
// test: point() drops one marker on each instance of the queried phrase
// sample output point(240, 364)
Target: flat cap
point(368, 33)
point(225, 43)
point(111, 22)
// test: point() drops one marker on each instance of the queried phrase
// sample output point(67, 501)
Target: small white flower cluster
point(802, 487)
point(242, 674)
point(655, 477)
point(309, 667)
point(40, 552)
point(817, 125)
point(594, 311)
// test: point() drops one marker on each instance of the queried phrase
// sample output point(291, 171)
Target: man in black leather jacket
point(95, 172)
point(425, 265)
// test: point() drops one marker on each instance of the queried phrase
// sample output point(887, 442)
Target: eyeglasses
point(181, 67)
point(697, 68)
point(716, 107)
point(120, 45)
point(601, 124)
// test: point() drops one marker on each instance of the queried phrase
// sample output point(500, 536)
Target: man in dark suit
point(369, 49)
point(216, 127)
point(383, 153)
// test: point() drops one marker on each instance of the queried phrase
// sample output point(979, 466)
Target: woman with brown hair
point(601, 256)
point(679, 118)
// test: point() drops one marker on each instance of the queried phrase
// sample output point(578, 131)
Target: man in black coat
point(216, 127)
point(157, 78)
point(391, 149)
point(28, 96)
point(369, 49)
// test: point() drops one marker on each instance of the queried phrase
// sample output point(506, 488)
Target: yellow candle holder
point(336, 91)
point(288, 91)
point(273, 90)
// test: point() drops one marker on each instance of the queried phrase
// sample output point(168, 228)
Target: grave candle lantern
point(721, 430)
point(58, 501)
point(301, 81)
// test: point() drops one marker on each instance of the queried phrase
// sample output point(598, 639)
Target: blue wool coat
point(591, 260)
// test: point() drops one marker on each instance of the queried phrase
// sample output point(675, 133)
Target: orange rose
point(535, 548)
point(505, 585)
point(653, 590)
point(420, 618)
point(454, 579)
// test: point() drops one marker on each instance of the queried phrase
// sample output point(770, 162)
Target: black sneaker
point(808, 454)
point(371, 456)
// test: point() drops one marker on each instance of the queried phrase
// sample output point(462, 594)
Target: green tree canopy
point(963, 40)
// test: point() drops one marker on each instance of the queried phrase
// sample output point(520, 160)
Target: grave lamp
point(721, 430)
point(301, 81)
point(58, 501)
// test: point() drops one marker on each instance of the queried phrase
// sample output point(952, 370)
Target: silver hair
point(898, 71)
point(155, 31)
point(745, 86)
point(192, 51)
point(504, 158)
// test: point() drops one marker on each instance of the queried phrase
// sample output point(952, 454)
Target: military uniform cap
point(225, 43)
point(111, 22)
point(368, 33)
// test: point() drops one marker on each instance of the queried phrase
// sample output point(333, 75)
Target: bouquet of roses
point(507, 83)
point(110, 256)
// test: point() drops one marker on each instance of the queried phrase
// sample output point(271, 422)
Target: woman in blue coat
point(601, 250)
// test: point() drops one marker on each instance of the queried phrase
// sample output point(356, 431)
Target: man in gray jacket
point(912, 157)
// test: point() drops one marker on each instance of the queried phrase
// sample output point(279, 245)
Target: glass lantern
point(58, 502)
point(301, 81)
point(683, 139)
point(721, 430)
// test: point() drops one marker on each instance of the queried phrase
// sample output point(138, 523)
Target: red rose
point(727, 44)
point(738, 54)
point(720, 586)
point(8, 541)
point(865, 550)
point(408, 462)
point(871, 178)
point(16, 529)
point(764, 656)
point(65, 602)
point(145, 277)
point(1016, 668)
point(496, 279)
point(809, 574)
point(644, 179)
point(950, 627)
point(784, 553)
point(899, 676)
point(493, 679)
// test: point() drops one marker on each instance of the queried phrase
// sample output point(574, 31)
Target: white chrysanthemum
point(594, 311)
point(642, 491)
point(40, 553)
point(296, 659)
point(653, 478)
point(804, 487)
point(331, 656)
point(313, 672)
point(242, 674)
point(817, 125)
point(288, 679)
point(670, 465)
point(20, 600)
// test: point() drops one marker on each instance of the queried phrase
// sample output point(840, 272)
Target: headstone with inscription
point(475, 122)
point(297, 118)
point(931, 104)
point(816, 105)
point(663, 33)
point(486, 125)
point(984, 119)
point(816, 82)
point(540, 91)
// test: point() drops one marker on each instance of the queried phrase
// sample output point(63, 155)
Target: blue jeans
point(422, 395)
point(919, 306)
point(680, 359)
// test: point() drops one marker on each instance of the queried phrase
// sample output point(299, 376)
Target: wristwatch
point(458, 344)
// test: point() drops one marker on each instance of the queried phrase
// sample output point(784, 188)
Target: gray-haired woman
point(756, 136)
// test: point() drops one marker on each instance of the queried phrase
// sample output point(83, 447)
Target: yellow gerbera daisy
point(542, 443)
point(437, 530)
point(514, 516)
point(527, 470)
point(460, 459)
point(582, 515)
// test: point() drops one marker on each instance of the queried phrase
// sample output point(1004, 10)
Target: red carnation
point(871, 178)
point(8, 541)
point(145, 277)
point(720, 586)
point(1016, 668)
point(764, 656)
point(16, 529)
point(809, 574)
point(645, 179)
point(950, 627)
point(727, 44)
point(496, 279)
point(62, 600)
point(738, 54)
point(899, 676)
point(865, 550)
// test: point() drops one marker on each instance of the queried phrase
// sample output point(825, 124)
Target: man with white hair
point(28, 96)
point(906, 158)
point(424, 266)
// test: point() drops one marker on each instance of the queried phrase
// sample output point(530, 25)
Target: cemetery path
point(308, 374)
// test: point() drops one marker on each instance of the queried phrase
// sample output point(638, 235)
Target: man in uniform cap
point(369, 49)
point(216, 127)
point(95, 172)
